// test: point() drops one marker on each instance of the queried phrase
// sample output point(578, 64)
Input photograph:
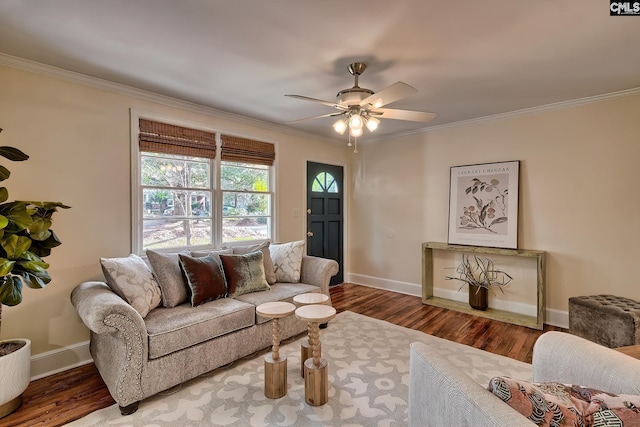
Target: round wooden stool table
point(302, 300)
point(316, 373)
point(275, 366)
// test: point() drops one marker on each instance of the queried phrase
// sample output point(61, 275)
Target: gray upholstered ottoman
point(605, 319)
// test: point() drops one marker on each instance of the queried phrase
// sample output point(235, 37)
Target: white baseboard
point(386, 284)
point(552, 317)
point(54, 361)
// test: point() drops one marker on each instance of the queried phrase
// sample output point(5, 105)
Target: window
point(177, 201)
point(324, 182)
point(186, 196)
point(246, 192)
point(246, 201)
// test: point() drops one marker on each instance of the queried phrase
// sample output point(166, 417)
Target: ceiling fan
point(360, 107)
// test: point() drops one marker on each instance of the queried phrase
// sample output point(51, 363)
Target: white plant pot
point(15, 374)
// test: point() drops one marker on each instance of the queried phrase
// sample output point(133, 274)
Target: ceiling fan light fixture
point(340, 126)
point(372, 124)
point(355, 122)
point(355, 132)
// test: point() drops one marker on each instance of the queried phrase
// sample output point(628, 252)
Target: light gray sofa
point(138, 357)
point(441, 394)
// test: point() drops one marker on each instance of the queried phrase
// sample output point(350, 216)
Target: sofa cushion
point(279, 292)
point(173, 329)
point(269, 274)
point(205, 278)
point(133, 281)
point(244, 273)
point(554, 404)
point(287, 260)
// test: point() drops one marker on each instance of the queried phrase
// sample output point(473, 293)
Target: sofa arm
point(440, 394)
point(569, 359)
point(95, 303)
point(318, 272)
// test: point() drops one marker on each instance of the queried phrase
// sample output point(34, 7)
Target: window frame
point(137, 211)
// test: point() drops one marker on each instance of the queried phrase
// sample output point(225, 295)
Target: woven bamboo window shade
point(163, 138)
point(243, 150)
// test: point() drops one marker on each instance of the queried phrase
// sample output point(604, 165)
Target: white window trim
point(216, 215)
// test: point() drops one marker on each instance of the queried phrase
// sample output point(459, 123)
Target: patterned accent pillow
point(287, 260)
point(205, 278)
point(269, 274)
point(555, 404)
point(133, 281)
point(244, 273)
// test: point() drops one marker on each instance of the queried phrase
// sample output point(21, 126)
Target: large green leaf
point(49, 206)
point(43, 248)
point(4, 221)
point(15, 246)
point(6, 265)
point(11, 291)
point(33, 266)
point(16, 213)
point(35, 280)
point(40, 225)
point(4, 173)
point(4, 194)
point(13, 154)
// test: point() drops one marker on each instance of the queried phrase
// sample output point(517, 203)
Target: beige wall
point(579, 196)
point(78, 138)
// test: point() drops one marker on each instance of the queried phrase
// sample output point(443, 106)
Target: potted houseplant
point(25, 239)
point(480, 275)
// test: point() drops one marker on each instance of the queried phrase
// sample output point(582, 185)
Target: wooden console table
point(535, 322)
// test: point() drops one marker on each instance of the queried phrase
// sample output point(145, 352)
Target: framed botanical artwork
point(483, 205)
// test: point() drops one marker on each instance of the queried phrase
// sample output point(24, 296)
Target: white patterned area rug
point(368, 374)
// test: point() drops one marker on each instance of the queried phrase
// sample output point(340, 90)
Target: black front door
point(325, 213)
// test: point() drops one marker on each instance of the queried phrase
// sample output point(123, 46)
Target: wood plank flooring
point(67, 396)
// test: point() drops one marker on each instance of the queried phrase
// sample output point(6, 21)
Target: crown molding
point(122, 89)
point(526, 111)
point(72, 76)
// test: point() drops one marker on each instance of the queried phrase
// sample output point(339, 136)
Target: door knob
point(310, 233)
point(308, 211)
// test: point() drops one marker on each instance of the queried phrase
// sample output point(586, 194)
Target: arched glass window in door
point(324, 182)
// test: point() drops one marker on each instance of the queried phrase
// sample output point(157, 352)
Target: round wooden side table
point(275, 365)
point(316, 373)
point(302, 300)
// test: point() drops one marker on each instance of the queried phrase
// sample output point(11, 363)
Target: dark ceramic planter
point(478, 297)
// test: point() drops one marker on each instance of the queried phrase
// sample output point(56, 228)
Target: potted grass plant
point(480, 275)
point(25, 239)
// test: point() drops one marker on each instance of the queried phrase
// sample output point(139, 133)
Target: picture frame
point(483, 204)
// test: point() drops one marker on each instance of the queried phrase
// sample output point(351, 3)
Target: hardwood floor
point(67, 396)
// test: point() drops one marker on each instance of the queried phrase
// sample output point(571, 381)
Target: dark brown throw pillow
point(204, 277)
point(244, 273)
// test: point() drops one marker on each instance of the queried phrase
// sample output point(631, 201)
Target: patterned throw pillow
point(269, 274)
point(555, 404)
point(244, 273)
point(205, 278)
point(131, 279)
point(287, 260)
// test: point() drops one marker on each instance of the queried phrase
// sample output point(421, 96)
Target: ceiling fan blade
point(388, 95)
point(413, 116)
point(315, 117)
point(320, 101)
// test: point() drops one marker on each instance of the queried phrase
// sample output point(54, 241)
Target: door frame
point(345, 207)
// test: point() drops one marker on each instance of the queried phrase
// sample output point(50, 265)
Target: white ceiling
point(467, 59)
